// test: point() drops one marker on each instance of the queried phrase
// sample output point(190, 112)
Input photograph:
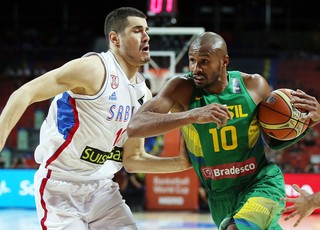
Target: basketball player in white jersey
point(83, 140)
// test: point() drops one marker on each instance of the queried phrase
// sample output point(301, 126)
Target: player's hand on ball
point(279, 119)
point(303, 101)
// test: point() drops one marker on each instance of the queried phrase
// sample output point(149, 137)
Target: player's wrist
point(190, 117)
point(316, 200)
point(312, 123)
point(183, 164)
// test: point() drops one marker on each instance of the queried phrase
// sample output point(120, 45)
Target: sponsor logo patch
point(113, 96)
point(236, 86)
point(97, 156)
point(231, 170)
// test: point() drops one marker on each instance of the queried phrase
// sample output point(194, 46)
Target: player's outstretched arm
point(135, 159)
point(39, 89)
point(153, 117)
point(80, 74)
point(302, 206)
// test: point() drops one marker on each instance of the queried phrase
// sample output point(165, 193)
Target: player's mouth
point(198, 78)
point(145, 49)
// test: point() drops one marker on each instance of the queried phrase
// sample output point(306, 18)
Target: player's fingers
point(300, 190)
point(216, 118)
point(288, 209)
point(223, 121)
point(301, 96)
point(222, 113)
point(224, 118)
point(303, 101)
point(291, 216)
point(287, 199)
point(306, 105)
point(225, 108)
point(297, 222)
point(290, 200)
point(299, 93)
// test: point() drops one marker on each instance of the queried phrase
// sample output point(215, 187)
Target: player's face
point(135, 42)
point(207, 65)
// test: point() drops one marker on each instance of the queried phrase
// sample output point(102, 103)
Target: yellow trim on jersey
point(253, 132)
point(192, 140)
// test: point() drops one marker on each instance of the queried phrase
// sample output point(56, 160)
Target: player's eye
point(204, 61)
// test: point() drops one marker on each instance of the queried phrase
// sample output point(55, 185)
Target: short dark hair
point(117, 19)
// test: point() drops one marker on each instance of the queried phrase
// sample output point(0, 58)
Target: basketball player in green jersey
point(216, 110)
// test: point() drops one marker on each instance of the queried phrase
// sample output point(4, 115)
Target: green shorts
point(255, 206)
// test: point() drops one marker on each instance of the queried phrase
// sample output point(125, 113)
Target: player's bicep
point(44, 87)
point(76, 74)
point(83, 75)
point(171, 96)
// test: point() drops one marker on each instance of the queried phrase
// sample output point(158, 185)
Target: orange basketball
point(279, 119)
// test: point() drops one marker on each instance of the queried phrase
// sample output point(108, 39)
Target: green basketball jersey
point(231, 155)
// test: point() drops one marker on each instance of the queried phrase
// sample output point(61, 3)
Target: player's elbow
point(129, 166)
point(132, 130)
point(129, 169)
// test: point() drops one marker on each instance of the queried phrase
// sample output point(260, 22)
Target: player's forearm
point(153, 164)
point(11, 114)
point(154, 124)
point(278, 144)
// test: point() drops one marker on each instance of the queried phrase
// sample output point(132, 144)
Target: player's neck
point(218, 86)
point(128, 69)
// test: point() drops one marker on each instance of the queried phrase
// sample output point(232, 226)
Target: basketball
point(279, 119)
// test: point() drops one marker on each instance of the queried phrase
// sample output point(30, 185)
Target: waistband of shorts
point(65, 175)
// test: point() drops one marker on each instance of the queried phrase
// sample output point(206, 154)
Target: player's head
point(117, 20)
point(126, 29)
point(208, 60)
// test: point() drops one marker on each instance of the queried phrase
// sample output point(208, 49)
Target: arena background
point(278, 39)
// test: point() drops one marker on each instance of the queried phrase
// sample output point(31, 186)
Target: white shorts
point(74, 205)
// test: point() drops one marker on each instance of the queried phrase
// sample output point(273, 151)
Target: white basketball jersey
point(82, 135)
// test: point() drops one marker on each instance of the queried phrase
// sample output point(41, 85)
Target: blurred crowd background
point(278, 39)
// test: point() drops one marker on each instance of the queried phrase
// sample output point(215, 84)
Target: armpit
point(177, 108)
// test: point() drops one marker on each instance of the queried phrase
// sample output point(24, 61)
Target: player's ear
point(226, 60)
point(114, 38)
